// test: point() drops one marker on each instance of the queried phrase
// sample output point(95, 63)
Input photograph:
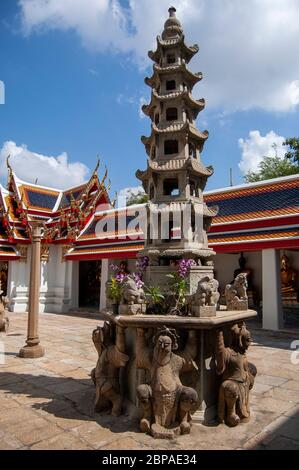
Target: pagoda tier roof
point(176, 164)
point(188, 51)
point(186, 96)
point(172, 129)
point(192, 77)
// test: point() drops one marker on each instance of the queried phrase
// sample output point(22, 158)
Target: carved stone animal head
point(241, 281)
point(241, 337)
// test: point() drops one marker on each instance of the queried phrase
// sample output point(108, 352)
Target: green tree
point(293, 152)
point(275, 167)
point(138, 198)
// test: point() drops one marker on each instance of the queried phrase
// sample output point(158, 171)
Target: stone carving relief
point(133, 300)
point(167, 404)
point(106, 373)
point(237, 375)
point(236, 293)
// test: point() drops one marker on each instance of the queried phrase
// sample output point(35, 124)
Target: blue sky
point(76, 90)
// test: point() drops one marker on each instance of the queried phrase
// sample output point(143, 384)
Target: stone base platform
point(205, 380)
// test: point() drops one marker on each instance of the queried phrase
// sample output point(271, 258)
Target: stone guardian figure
point(106, 373)
point(237, 376)
point(167, 404)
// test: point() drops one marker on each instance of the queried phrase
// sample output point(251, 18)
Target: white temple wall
point(55, 297)
point(18, 283)
point(58, 288)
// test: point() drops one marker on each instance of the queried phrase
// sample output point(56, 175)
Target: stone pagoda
point(176, 364)
point(178, 218)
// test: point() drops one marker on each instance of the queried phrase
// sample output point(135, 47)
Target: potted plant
point(114, 292)
point(156, 299)
point(179, 285)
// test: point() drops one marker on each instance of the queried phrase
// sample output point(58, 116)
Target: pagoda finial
point(172, 26)
point(171, 11)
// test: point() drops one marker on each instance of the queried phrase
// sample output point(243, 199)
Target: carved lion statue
point(207, 292)
point(237, 290)
point(131, 294)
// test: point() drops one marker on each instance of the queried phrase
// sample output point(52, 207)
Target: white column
point(272, 306)
point(104, 279)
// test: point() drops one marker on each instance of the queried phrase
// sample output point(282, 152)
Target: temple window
point(171, 187)
point(171, 147)
point(170, 85)
point(157, 118)
point(171, 114)
point(153, 152)
point(171, 59)
point(192, 151)
point(192, 188)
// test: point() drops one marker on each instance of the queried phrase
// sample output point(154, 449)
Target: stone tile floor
point(47, 403)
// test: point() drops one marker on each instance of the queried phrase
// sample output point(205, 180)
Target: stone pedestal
point(157, 275)
point(131, 309)
point(204, 380)
point(203, 311)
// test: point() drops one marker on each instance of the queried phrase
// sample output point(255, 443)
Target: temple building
point(259, 220)
point(253, 228)
point(64, 215)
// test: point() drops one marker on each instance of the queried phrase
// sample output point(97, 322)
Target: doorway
point(89, 284)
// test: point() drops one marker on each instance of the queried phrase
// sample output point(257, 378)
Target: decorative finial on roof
point(10, 172)
point(172, 26)
point(171, 11)
point(8, 164)
point(109, 185)
point(113, 203)
point(105, 176)
point(97, 165)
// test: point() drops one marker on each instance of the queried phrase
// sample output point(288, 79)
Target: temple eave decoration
point(65, 213)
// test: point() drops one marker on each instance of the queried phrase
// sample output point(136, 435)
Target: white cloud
point(122, 99)
point(257, 146)
point(248, 49)
point(51, 171)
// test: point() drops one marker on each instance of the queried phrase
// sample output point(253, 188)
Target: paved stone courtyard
point(47, 403)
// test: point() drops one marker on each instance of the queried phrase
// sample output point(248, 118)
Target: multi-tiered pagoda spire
point(175, 175)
